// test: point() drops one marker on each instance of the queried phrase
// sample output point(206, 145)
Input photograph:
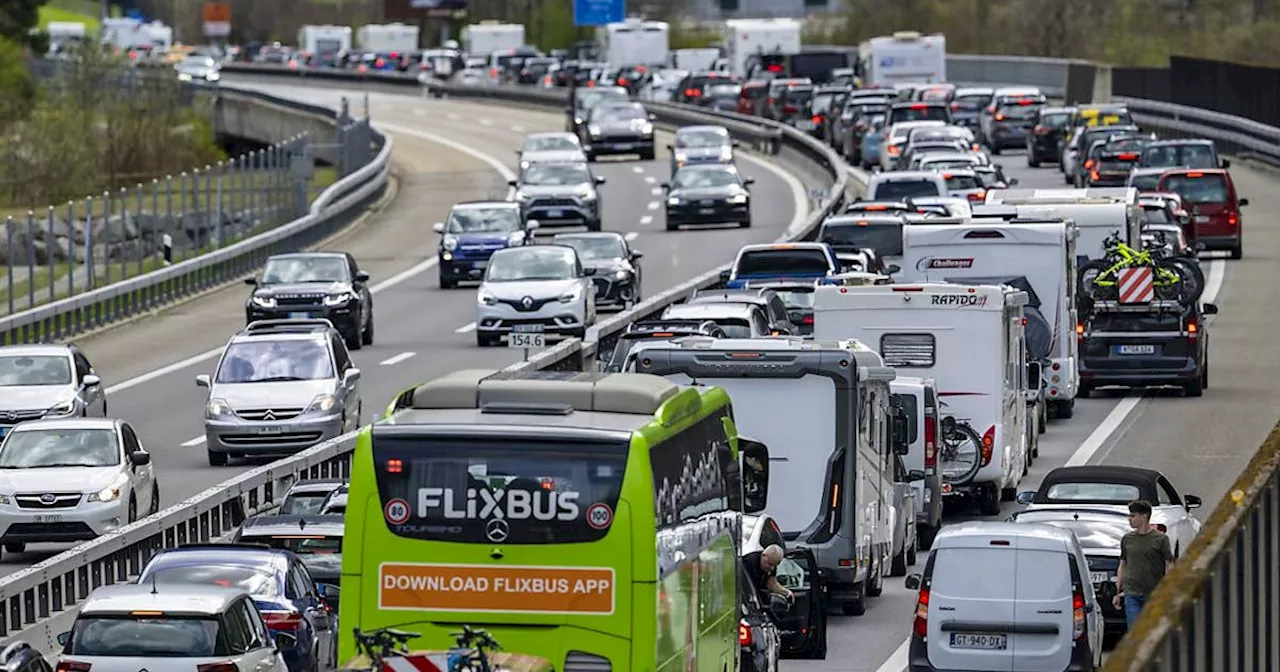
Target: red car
point(1211, 197)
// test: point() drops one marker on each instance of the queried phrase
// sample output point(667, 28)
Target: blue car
point(279, 584)
point(872, 141)
point(473, 232)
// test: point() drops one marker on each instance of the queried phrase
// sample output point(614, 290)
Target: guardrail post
point(169, 220)
point(144, 241)
point(210, 209)
point(106, 232)
point(73, 259)
point(31, 259)
point(50, 241)
point(300, 177)
point(91, 277)
point(238, 193)
point(222, 169)
point(8, 251)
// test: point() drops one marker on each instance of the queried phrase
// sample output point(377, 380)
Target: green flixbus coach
point(589, 519)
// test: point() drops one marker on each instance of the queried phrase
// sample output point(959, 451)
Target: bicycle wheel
point(1087, 276)
point(1190, 273)
point(961, 455)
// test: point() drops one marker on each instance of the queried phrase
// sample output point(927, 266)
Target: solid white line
point(647, 219)
point(486, 122)
point(897, 661)
point(650, 179)
point(799, 193)
point(637, 169)
point(465, 328)
point(517, 128)
point(654, 205)
point(193, 442)
point(397, 359)
point(631, 235)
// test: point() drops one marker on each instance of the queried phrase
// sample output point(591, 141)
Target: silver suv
point(281, 386)
point(47, 381)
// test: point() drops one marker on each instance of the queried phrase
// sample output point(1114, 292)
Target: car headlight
point(524, 164)
point(184, 77)
point(681, 157)
point(571, 296)
point(486, 299)
point(593, 129)
point(726, 153)
point(4, 499)
point(264, 301)
point(217, 408)
point(450, 243)
point(585, 192)
point(738, 199)
point(674, 200)
point(338, 299)
point(516, 238)
point(646, 128)
point(213, 76)
point(521, 196)
point(112, 492)
point(621, 274)
point(66, 407)
point(323, 403)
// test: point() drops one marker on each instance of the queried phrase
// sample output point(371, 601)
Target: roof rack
point(287, 326)
point(547, 392)
point(1154, 306)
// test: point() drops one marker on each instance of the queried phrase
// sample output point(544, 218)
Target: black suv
point(1164, 343)
point(315, 285)
point(1044, 143)
point(618, 128)
point(583, 98)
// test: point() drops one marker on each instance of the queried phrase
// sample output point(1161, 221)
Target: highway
point(445, 152)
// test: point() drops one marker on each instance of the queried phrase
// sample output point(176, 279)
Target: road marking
point(517, 128)
point(421, 112)
point(654, 205)
point(193, 442)
point(647, 219)
point(486, 122)
point(799, 193)
point(656, 191)
point(637, 169)
point(465, 328)
point(397, 359)
point(649, 179)
point(897, 661)
point(631, 235)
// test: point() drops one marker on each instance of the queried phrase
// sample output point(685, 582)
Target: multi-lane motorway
point(449, 151)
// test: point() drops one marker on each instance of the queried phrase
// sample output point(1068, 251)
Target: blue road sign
point(598, 12)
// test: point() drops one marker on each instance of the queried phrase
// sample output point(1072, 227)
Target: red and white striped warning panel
point(416, 663)
point(1137, 284)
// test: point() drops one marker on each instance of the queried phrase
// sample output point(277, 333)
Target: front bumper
point(621, 144)
point(248, 437)
point(708, 211)
point(468, 267)
point(613, 292)
point(344, 317)
point(554, 318)
point(82, 521)
point(562, 211)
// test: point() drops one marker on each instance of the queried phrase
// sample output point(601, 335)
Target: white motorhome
point(904, 57)
point(969, 339)
point(744, 38)
point(824, 408)
point(488, 37)
point(1097, 213)
point(324, 42)
point(388, 38)
point(696, 60)
point(126, 33)
point(1037, 256)
point(634, 42)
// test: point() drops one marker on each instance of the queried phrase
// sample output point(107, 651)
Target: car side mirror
point(724, 275)
point(1192, 502)
point(532, 225)
point(666, 186)
point(202, 380)
point(916, 475)
point(735, 144)
point(362, 276)
point(589, 271)
point(1025, 497)
point(637, 256)
point(285, 641)
point(671, 148)
point(91, 380)
point(1242, 202)
point(600, 180)
point(749, 181)
point(140, 458)
point(755, 474)
point(778, 606)
point(892, 268)
point(1226, 163)
point(63, 638)
point(913, 582)
point(1012, 181)
point(512, 183)
point(1209, 309)
point(438, 227)
point(252, 282)
point(351, 375)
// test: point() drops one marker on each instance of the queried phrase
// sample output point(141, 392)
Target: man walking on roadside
point(1145, 556)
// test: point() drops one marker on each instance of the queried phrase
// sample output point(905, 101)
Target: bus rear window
point(512, 491)
point(1197, 187)
point(783, 262)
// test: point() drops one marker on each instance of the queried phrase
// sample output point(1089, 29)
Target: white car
point(895, 140)
point(1112, 488)
point(537, 289)
point(129, 627)
point(555, 147)
point(73, 479)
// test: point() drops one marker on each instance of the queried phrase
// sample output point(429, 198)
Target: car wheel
point(1032, 161)
point(1064, 409)
point(446, 283)
point(133, 509)
point(1237, 252)
point(858, 605)
point(1195, 388)
point(217, 459)
point(989, 501)
point(876, 589)
point(155, 499)
point(924, 536)
point(367, 337)
point(15, 548)
point(899, 562)
point(353, 339)
point(912, 552)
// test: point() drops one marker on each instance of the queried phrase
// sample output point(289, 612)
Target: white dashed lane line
point(518, 128)
point(650, 179)
point(486, 122)
point(193, 442)
point(656, 191)
point(453, 116)
point(647, 219)
point(631, 236)
point(397, 359)
point(654, 205)
point(637, 169)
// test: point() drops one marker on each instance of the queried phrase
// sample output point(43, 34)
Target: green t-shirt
point(1144, 557)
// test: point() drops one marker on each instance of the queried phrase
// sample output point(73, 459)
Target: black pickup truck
point(1159, 344)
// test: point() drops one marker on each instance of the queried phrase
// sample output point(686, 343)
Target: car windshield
point(556, 174)
point(283, 270)
point(550, 143)
point(919, 112)
point(1056, 120)
point(1197, 188)
point(24, 371)
point(897, 190)
point(252, 580)
point(883, 237)
point(1150, 182)
point(617, 113)
point(263, 361)
point(43, 448)
point(962, 182)
point(483, 220)
point(132, 637)
point(1174, 156)
point(701, 178)
point(303, 503)
point(531, 264)
point(702, 138)
point(1120, 493)
point(594, 247)
point(970, 102)
point(724, 90)
point(589, 98)
point(301, 543)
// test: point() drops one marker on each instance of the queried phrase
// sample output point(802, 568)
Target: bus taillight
point(744, 634)
point(394, 466)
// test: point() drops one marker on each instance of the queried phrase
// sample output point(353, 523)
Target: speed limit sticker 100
point(599, 516)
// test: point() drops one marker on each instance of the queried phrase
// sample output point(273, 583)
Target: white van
point(1005, 596)
point(1097, 212)
point(1036, 256)
point(969, 339)
point(918, 399)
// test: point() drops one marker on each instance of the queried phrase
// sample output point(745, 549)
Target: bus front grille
point(578, 661)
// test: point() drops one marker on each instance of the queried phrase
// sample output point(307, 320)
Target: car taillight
point(920, 626)
point(789, 109)
point(1193, 330)
point(1233, 219)
point(931, 441)
point(978, 196)
point(1161, 527)
point(817, 119)
point(72, 666)
point(1080, 332)
point(807, 320)
point(1077, 613)
point(493, 72)
point(1093, 175)
point(379, 63)
point(988, 445)
point(1088, 164)
point(1043, 130)
point(744, 634)
point(999, 117)
point(283, 620)
point(955, 107)
point(692, 93)
point(622, 81)
point(894, 149)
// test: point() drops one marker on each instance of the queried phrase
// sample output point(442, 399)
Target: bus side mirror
point(755, 474)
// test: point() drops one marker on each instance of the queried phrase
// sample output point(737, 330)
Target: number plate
point(706, 211)
point(1097, 578)
point(528, 328)
point(299, 316)
point(49, 518)
point(531, 341)
point(270, 430)
point(1202, 219)
point(555, 213)
point(1135, 349)
point(965, 640)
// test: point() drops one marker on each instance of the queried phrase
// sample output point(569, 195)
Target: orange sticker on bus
point(485, 588)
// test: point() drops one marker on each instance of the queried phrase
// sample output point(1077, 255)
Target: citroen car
point(617, 266)
point(472, 233)
point(559, 194)
point(281, 386)
point(538, 288)
point(618, 128)
point(315, 285)
point(47, 380)
point(71, 480)
point(701, 144)
point(706, 194)
point(550, 147)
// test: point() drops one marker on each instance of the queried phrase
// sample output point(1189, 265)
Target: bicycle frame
point(1132, 257)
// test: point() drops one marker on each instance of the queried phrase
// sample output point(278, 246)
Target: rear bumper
point(1138, 372)
point(918, 657)
point(1221, 242)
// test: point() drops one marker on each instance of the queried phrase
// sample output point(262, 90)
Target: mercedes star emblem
point(527, 302)
point(48, 499)
point(497, 530)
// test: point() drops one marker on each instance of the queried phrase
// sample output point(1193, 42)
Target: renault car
point(534, 289)
point(473, 232)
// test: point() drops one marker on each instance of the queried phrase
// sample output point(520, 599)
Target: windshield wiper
point(56, 464)
point(275, 379)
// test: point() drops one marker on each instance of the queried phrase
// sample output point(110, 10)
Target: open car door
point(804, 628)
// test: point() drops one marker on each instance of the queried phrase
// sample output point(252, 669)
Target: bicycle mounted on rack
point(1173, 278)
point(959, 451)
point(469, 655)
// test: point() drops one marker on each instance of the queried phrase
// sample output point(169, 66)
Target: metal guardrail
point(229, 222)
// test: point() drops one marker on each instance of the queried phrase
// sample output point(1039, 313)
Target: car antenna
point(302, 523)
point(154, 589)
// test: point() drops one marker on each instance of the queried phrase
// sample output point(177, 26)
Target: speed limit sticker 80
point(599, 516)
point(396, 511)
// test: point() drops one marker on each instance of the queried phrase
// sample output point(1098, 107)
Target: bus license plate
point(1099, 578)
point(49, 518)
point(964, 640)
point(1135, 349)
